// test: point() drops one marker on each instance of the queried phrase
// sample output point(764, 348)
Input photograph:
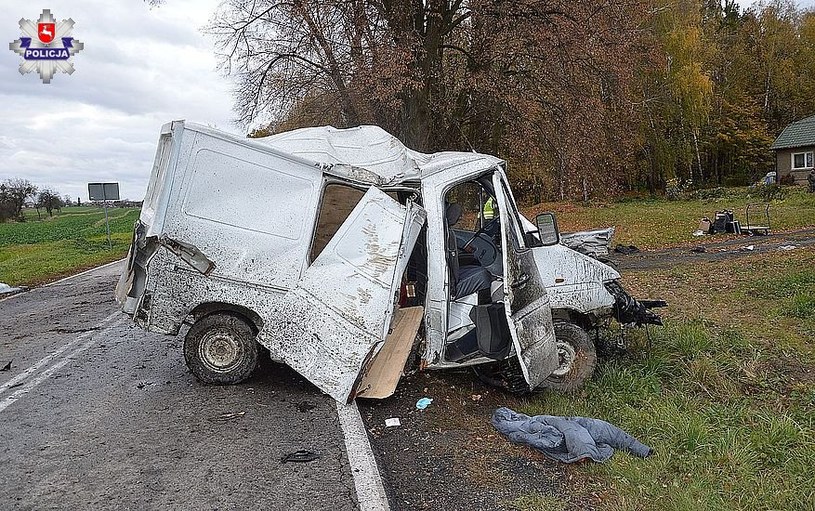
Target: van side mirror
point(547, 229)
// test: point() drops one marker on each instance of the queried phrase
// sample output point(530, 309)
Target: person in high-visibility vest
point(488, 211)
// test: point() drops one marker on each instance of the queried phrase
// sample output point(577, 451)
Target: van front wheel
point(220, 349)
point(577, 358)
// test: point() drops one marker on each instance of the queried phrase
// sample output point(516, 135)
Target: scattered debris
point(747, 248)
point(476, 397)
point(704, 227)
point(7, 367)
point(423, 403)
point(699, 250)
point(225, 417)
point(724, 221)
point(626, 249)
point(301, 456)
point(5, 288)
point(567, 439)
point(392, 422)
point(787, 248)
point(143, 384)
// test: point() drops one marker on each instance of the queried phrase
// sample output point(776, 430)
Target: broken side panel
point(337, 317)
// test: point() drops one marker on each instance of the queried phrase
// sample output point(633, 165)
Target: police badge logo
point(46, 46)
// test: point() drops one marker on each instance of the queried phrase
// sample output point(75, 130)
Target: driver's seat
point(468, 279)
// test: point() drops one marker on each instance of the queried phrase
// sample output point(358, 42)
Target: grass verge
point(725, 392)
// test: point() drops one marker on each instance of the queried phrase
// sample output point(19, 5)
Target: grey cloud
point(139, 69)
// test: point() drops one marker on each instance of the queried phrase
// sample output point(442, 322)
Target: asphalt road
point(95, 413)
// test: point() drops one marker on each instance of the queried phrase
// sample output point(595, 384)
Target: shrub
point(787, 180)
point(768, 193)
point(676, 189)
point(711, 193)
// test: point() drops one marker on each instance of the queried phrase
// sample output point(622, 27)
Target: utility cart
point(755, 229)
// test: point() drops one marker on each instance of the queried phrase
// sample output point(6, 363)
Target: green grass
point(37, 251)
point(725, 392)
point(655, 222)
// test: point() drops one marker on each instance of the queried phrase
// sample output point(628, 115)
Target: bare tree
point(492, 75)
point(13, 195)
point(50, 200)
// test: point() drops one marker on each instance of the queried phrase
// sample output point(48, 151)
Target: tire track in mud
point(714, 251)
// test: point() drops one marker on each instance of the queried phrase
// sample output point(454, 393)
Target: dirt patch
point(714, 249)
point(449, 456)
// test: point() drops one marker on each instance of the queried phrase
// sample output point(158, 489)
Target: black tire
point(577, 358)
point(220, 349)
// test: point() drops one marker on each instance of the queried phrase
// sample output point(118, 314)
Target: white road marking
point(20, 378)
point(370, 491)
point(62, 280)
point(83, 273)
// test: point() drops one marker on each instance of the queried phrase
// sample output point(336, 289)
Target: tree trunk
point(698, 156)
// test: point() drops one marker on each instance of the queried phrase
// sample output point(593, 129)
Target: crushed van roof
point(373, 149)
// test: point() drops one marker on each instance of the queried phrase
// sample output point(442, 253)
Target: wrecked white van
point(330, 248)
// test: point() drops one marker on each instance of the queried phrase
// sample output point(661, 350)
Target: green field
point(37, 251)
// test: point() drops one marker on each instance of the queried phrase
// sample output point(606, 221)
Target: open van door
point(333, 323)
point(526, 303)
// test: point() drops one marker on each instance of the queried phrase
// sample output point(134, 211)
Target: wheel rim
point(566, 359)
point(219, 351)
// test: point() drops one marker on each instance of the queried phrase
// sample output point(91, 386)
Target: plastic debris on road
point(5, 288)
point(786, 248)
point(392, 422)
point(300, 456)
point(423, 403)
point(226, 417)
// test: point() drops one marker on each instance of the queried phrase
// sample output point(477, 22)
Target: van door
point(333, 323)
point(526, 303)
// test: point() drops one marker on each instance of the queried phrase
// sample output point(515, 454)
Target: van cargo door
point(337, 317)
point(526, 302)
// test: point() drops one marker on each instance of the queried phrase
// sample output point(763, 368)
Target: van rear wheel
point(220, 349)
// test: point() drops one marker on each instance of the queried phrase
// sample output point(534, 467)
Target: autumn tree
point(547, 83)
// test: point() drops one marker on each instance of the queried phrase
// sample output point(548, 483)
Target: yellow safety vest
point(488, 211)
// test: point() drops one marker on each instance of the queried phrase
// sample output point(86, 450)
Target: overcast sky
point(140, 68)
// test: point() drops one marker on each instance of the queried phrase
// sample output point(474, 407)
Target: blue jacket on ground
point(567, 439)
